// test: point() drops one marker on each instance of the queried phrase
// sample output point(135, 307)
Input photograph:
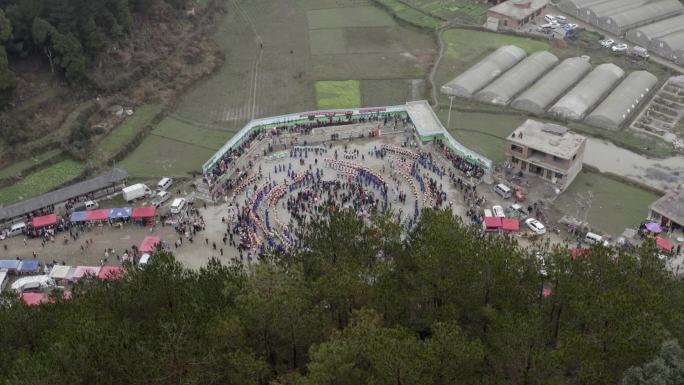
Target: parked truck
point(135, 191)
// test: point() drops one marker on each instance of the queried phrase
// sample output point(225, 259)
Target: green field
point(410, 15)
point(179, 131)
point(466, 45)
point(338, 94)
point(462, 11)
point(18, 167)
point(615, 206)
point(367, 16)
point(41, 181)
point(122, 135)
point(158, 156)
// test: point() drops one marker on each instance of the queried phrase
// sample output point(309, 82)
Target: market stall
point(111, 272)
point(44, 221)
point(78, 216)
point(492, 223)
point(145, 215)
point(97, 215)
point(510, 225)
point(29, 266)
point(82, 271)
point(149, 244)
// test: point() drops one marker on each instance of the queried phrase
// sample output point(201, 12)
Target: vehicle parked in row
point(177, 205)
point(135, 191)
point(161, 197)
point(619, 48)
point(164, 184)
point(606, 43)
point(498, 211)
point(536, 226)
point(561, 19)
point(640, 52)
point(549, 18)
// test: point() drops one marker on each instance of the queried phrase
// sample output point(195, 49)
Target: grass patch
point(157, 156)
point(18, 167)
point(123, 134)
point(349, 17)
point(615, 206)
point(338, 94)
point(468, 45)
point(171, 128)
point(41, 181)
point(410, 15)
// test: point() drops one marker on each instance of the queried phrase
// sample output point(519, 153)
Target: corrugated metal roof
point(99, 182)
point(644, 34)
point(620, 22)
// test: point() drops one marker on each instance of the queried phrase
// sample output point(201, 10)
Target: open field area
point(41, 181)
point(615, 205)
point(19, 167)
point(126, 132)
point(276, 64)
point(338, 94)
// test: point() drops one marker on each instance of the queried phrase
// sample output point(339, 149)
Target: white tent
point(61, 272)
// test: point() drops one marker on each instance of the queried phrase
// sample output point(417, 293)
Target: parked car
point(571, 26)
point(161, 197)
point(561, 19)
point(498, 211)
point(619, 48)
point(607, 43)
point(640, 52)
point(549, 18)
point(536, 226)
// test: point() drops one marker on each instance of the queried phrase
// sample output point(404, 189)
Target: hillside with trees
point(364, 303)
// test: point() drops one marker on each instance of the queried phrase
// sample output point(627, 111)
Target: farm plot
point(615, 205)
point(462, 11)
point(41, 181)
point(158, 156)
point(19, 167)
point(122, 135)
point(179, 131)
point(338, 94)
point(364, 16)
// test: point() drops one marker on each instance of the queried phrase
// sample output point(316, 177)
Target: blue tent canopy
point(29, 266)
point(78, 216)
point(124, 212)
point(9, 264)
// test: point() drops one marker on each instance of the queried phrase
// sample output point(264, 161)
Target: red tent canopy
point(144, 212)
point(33, 299)
point(577, 252)
point(97, 215)
point(45, 220)
point(149, 244)
point(110, 272)
point(664, 244)
point(510, 224)
point(492, 222)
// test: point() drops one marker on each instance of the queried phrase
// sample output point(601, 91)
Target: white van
point(593, 239)
point(91, 205)
point(177, 205)
point(161, 197)
point(16, 229)
point(503, 190)
point(144, 260)
point(164, 184)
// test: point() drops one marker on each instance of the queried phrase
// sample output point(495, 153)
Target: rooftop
point(671, 205)
point(548, 138)
point(54, 197)
point(424, 118)
point(519, 9)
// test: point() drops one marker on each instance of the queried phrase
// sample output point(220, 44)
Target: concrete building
point(521, 76)
point(644, 35)
point(572, 7)
point(619, 23)
point(552, 85)
point(592, 13)
point(669, 210)
point(547, 150)
point(484, 72)
point(670, 46)
point(623, 101)
point(588, 92)
point(515, 13)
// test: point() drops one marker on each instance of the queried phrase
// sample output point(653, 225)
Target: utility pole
point(451, 102)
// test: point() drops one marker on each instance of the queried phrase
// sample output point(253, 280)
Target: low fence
point(305, 117)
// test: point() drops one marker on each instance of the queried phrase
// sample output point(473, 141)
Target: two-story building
point(547, 150)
